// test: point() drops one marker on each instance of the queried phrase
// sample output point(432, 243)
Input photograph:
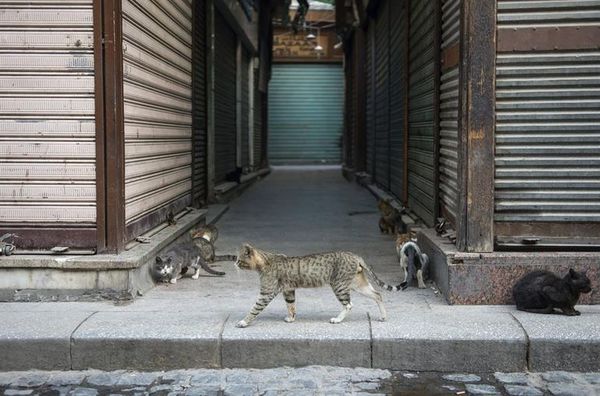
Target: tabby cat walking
point(343, 271)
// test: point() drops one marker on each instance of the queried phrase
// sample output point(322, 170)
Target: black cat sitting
point(542, 292)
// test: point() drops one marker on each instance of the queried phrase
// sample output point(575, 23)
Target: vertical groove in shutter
point(421, 172)
point(382, 96)
point(225, 101)
point(157, 90)
point(306, 113)
point(448, 160)
point(547, 124)
point(245, 105)
point(398, 43)
point(349, 109)
point(258, 121)
point(199, 104)
point(47, 128)
point(370, 105)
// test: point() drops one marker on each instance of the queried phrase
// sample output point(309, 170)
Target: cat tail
point(207, 268)
point(225, 257)
point(375, 278)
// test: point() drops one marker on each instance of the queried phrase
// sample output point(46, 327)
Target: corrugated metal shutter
point(448, 157)
point(157, 93)
point(199, 105)
point(225, 100)
point(349, 108)
point(382, 96)
point(547, 125)
point(245, 106)
point(421, 171)
point(47, 129)
point(398, 51)
point(306, 107)
point(258, 121)
point(370, 104)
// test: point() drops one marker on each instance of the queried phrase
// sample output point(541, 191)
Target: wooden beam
point(476, 126)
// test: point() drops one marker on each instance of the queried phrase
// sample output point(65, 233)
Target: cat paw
point(335, 320)
point(577, 312)
point(382, 318)
point(173, 281)
point(241, 324)
point(289, 319)
point(404, 285)
point(195, 276)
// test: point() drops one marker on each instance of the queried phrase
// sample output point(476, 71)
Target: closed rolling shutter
point(421, 120)
point(199, 105)
point(258, 121)
point(547, 165)
point(349, 109)
point(382, 96)
point(225, 100)
point(47, 127)
point(245, 106)
point(448, 160)
point(157, 91)
point(306, 110)
point(370, 103)
point(398, 51)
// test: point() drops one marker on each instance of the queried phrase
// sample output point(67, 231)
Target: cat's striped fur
point(343, 271)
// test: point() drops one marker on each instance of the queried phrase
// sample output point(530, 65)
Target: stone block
point(148, 341)
point(558, 342)
point(270, 342)
point(452, 341)
point(37, 340)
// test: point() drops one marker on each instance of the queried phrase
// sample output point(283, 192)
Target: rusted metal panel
point(47, 127)
point(449, 91)
point(157, 87)
point(547, 122)
point(421, 111)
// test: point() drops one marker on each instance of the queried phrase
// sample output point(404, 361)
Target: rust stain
point(476, 134)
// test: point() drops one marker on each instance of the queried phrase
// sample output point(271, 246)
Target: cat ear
point(247, 248)
point(158, 259)
point(572, 272)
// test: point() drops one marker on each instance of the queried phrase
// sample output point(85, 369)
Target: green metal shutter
point(547, 164)
point(306, 105)
point(398, 51)
point(245, 106)
point(258, 121)
point(225, 101)
point(382, 97)
point(199, 104)
point(448, 159)
point(370, 107)
point(421, 98)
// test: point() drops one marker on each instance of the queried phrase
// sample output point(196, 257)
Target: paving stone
point(67, 378)
point(30, 380)
point(592, 378)
point(137, 379)
point(18, 392)
point(410, 375)
point(83, 392)
point(102, 379)
point(239, 390)
point(480, 389)
point(367, 385)
point(512, 378)
point(522, 390)
point(558, 376)
point(451, 388)
point(562, 389)
point(177, 377)
point(164, 388)
point(60, 390)
point(205, 390)
point(462, 377)
point(306, 383)
point(8, 378)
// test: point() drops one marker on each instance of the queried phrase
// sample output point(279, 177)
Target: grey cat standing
point(543, 292)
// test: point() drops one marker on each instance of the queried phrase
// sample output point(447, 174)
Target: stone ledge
point(487, 278)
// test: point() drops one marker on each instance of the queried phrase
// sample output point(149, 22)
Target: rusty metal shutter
point(382, 96)
point(245, 106)
point(448, 157)
point(199, 105)
point(258, 121)
point(398, 52)
point(47, 128)
point(547, 177)
point(157, 90)
point(421, 103)
point(370, 104)
point(225, 100)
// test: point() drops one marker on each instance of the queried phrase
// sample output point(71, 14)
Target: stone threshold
point(227, 187)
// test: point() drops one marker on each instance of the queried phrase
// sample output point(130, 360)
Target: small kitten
point(343, 271)
point(413, 262)
point(543, 291)
point(388, 221)
point(210, 232)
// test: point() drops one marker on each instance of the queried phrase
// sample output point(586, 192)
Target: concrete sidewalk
point(192, 324)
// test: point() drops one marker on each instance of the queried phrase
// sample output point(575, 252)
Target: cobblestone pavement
point(313, 380)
